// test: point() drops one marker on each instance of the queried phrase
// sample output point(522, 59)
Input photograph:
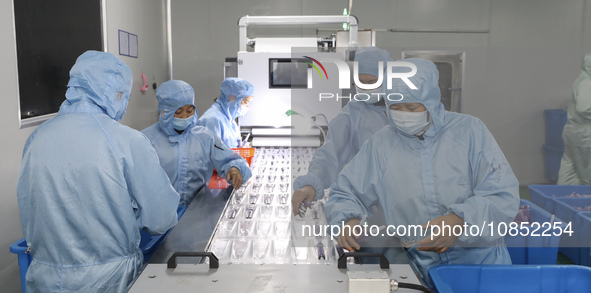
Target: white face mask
point(242, 110)
point(370, 96)
point(410, 123)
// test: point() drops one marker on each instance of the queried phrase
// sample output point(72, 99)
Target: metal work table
point(270, 278)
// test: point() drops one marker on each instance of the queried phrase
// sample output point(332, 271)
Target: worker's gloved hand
point(235, 177)
point(347, 240)
point(441, 240)
point(307, 192)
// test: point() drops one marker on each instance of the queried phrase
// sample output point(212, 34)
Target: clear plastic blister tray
point(258, 212)
point(253, 229)
point(314, 251)
point(300, 160)
point(253, 250)
point(257, 225)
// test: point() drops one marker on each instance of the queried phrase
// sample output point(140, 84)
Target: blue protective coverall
point(347, 132)
point(219, 118)
point(456, 168)
point(575, 167)
point(189, 157)
point(88, 184)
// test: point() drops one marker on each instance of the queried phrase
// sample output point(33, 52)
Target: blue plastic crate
point(565, 209)
point(534, 249)
point(507, 278)
point(539, 196)
point(543, 195)
point(555, 121)
point(24, 258)
point(552, 158)
point(550, 197)
point(583, 220)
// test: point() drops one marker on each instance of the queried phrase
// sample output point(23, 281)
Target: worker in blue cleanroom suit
point(575, 167)
point(235, 97)
point(357, 121)
point(88, 184)
point(427, 167)
point(188, 152)
point(347, 132)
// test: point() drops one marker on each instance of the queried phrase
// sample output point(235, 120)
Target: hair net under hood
point(172, 95)
point(426, 79)
point(367, 60)
point(237, 87)
point(99, 77)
